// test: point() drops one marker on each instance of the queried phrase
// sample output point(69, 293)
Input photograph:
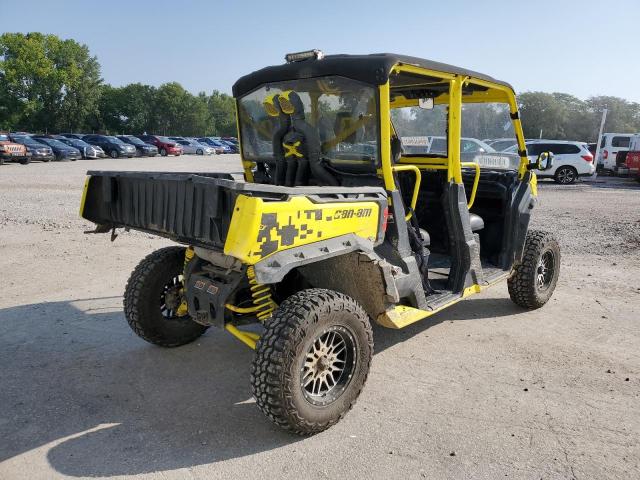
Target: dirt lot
point(482, 390)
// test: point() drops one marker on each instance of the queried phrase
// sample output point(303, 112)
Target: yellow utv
point(368, 196)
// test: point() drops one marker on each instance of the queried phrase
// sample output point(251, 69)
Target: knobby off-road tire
point(534, 279)
point(288, 357)
point(154, 280)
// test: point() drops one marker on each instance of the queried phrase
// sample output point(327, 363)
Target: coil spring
point(263, 304)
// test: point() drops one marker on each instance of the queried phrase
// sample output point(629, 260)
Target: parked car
point(38, 151)
point(213, 143)
point(632, 161)
point(194, 147)
point(467, 145)
point(11, 151)
point(87, 150)
point(165, 145)
point(61, 150)
point(500, 144)
point(112, 146)
point(570, 159)
point(233, 147)
point(143, 149)
point(610, 145)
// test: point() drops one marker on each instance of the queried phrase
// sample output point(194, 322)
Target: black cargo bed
point(192, 208)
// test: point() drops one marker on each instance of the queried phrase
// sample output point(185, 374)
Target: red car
point(633, 157)
point(165, 145)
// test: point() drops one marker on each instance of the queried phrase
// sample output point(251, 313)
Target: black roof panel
point(373, 69)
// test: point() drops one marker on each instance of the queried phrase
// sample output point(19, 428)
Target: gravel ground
point(481, 390)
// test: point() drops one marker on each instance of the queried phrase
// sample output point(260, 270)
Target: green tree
point(46, 83)
point(222, 114)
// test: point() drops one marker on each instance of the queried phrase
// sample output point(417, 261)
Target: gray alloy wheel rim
point(566, 175)
point(545, 270)
point(328, 366)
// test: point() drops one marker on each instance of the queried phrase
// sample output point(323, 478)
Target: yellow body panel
point(401, 316)
point(84, 195)
point(260, 228)
point(533, 183)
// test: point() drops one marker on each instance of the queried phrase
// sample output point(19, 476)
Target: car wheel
point(199, 152)
point(534, 278)
point(152, 299)
point(565, 175)
point(163, 152)
point(25, 161)
point(114, 154)
point(312, 361)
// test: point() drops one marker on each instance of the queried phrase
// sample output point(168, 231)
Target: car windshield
point(53, 142)
point(166, 140)
point(341, 112)
point(135, 141)
point(4, 138)
point(76, 142)
point(112, 139)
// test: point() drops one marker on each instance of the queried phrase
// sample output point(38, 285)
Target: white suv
point(570, 159)
point(611, 144)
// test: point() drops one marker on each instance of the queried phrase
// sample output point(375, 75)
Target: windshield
point(75, 142)
point(134, 141)
point(53, 142)
point(4, 138)
point(166, 140)
point(115, 140)
point(341, 112)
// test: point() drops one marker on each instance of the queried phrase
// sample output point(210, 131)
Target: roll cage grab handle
point(501, 93)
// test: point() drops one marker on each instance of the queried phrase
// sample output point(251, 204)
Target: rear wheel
point(565, 175)
point(152, 297)
point(312, 361)
point(534, 279)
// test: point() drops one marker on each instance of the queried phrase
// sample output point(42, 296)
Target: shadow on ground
point(98, 401)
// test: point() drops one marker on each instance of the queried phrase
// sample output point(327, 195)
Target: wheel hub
point(328, 366)
point(544, 270)
point(171, 298)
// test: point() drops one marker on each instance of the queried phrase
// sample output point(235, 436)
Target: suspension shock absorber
point(263, 304)
point(183, 309)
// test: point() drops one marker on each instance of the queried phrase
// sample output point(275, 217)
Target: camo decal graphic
point(272, 235)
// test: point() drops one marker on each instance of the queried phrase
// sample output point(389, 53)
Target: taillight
point(385, 219)
point(587, 158)
point(605, 154)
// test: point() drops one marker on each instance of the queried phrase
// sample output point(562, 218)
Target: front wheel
point(199, 152)
point(152, 299)
point(114, 154)
point(312, 361)
point(565, 175)
point(25, 161)
point(534, 279)
point(163, 152)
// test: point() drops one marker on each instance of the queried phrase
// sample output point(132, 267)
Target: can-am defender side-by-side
point(335, 224)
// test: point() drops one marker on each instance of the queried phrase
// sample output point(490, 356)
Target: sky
point(579, 47)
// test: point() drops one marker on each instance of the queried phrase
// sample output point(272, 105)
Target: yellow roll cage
point(489, 93)
point(454, 99)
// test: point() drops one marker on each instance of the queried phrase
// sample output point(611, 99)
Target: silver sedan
point(195, 148)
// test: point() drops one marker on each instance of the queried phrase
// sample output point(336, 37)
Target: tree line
point(48, 84)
